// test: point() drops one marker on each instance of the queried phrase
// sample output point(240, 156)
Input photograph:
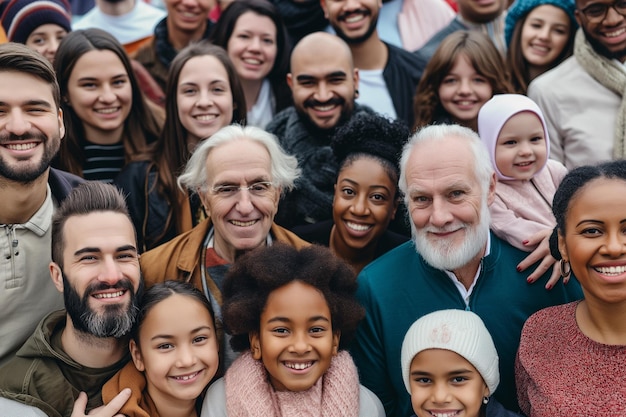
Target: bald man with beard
point(324, 84)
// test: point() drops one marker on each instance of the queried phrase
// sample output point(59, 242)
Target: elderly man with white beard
point(452, 262)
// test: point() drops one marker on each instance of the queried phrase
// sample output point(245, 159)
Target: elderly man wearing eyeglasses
point(583, 98)
point(239, 175)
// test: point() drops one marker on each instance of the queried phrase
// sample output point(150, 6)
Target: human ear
point(255, 345)
point(135, 354)
point(56, 275)
point(336, 337)
point(563, 247)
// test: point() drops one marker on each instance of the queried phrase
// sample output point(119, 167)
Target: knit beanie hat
point(494, 114)
point(459, 331)
point(20, 18)
point(521, 8)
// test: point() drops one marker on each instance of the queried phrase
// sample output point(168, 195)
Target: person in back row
point(324, 84)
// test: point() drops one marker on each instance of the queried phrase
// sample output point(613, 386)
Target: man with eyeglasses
point(239, 175)
point(582, 98)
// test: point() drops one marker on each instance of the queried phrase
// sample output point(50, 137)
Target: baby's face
point(445, 383)
point(521, 150)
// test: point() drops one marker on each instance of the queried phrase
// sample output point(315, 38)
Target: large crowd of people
point(293, 208)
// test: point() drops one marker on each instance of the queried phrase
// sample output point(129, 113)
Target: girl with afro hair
point(290, 312)
point(366, 198)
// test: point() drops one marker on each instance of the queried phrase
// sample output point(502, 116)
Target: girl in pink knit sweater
point(514, 131)
point(290, 312)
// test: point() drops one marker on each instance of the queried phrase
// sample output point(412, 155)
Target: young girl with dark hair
point(465, 71)
point(290, 312)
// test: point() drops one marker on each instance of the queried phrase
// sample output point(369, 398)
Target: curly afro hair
point(256, 274)
point(371, 135)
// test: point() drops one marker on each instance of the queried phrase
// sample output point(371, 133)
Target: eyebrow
point(253, 181)
point(98, 250)
point(455, 372)
point(353, 182)
point(168, 336)
point(334, 74)
point(596, 221)
point(42, 103)
point(288, 320)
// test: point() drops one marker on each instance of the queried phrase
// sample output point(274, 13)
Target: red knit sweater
point(561, 372)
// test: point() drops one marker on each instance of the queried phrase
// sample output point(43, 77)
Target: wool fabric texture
point(496, 112)
point(612, 76)
point(459, 331)
point(250, 394)
point(521, 8)
point(20, 18)
point(560, 372)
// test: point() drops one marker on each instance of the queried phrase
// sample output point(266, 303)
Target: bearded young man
point(582, 99)
point(453, 262)
point(96, 266)
point(31, 128)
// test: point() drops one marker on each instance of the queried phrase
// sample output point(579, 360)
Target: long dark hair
point(170, 154)
point(141, 127)
point(517, 64)
point(225, 26)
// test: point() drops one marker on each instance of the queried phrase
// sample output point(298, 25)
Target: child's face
point(521, 149)
point(463, 91)
point(178, 356)
point(445, 383)
point(296, 341)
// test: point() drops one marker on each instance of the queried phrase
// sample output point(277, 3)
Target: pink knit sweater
point(561, 372)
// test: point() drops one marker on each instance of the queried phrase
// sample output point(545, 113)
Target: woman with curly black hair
point(291, 312)
point(366, 197)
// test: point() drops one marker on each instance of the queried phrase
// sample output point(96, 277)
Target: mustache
point(31, 135)
point(123, 284)
point(311, 102)
point(344, 16)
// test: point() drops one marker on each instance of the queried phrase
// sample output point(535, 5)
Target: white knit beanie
point(459, 331)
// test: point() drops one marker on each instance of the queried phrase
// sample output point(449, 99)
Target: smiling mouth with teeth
point(186, 377)
point(20, 146)
point(444, 414)
point(358, 227)
point(299, 366)
point(109, 294)
point(243, 224)
point(610, 270)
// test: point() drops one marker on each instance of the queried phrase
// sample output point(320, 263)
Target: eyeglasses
point(596, 12)
point(258, 189)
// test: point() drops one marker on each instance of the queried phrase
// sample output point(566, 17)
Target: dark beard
point(323, 135)
point(114, 322)
point(31, 173)
point(603, 50)
point(360, 39)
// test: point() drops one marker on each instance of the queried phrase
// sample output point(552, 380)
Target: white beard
point(441, 253)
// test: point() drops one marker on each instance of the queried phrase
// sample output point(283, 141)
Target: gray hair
point(284, 167)
point(437, 133)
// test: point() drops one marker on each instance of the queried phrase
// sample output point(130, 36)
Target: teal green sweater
point(400, 287)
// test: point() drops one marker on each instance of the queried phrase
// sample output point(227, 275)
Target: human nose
point(323, 93)
point(440, 393)
point(612, 16)
point(17, 124)
point(524, 149)
point(440, 215)
point(53, 45)
point(205, 99)
point(352, 5)
point(110, 272)
point(106, 94)
point(244, 201)
point(465, 87)
point(360, 206)
point(544, 32)
point(299, 343)
point(185, 356)
point(615, 244)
